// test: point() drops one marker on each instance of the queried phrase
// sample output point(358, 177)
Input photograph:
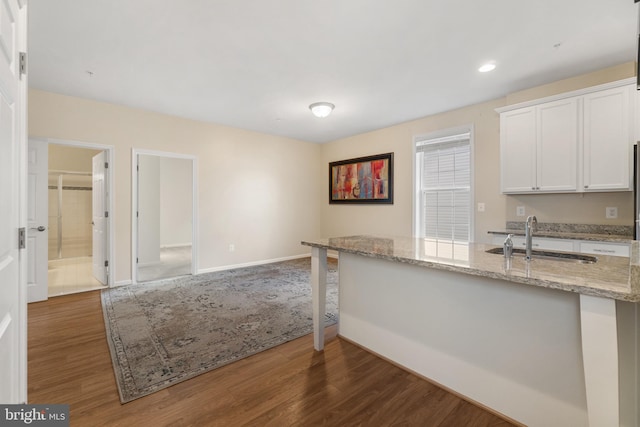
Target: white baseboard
point(251, 264)
point(232, 266)
point(122, 283)
point(149, 264)
point(176, 245)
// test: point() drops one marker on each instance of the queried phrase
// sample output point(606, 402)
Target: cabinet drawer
point(604, 249)
point(544, 244)
point(540, 243)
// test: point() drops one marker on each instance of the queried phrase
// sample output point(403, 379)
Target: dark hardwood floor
point(290, 385)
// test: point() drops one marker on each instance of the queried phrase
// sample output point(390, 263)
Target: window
point(443, 188)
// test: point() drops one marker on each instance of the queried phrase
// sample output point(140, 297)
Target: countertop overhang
point(610, 277)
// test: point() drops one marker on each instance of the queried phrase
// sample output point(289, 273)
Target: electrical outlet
point(611, 212)
point(480, 207)
point(519, 210)
point(232, 247)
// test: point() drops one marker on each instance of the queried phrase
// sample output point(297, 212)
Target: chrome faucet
point(529, 227)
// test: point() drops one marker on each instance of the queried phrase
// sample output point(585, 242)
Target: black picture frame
point(362, 180)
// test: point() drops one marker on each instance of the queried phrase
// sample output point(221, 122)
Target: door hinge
point(137, 260)
point(106, 214)
point(22, 240)
point(106, 263)
point(106, 165)
point(23, 63)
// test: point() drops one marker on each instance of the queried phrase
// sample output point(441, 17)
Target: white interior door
point(37, 220)
point(13, 352)
point(99, 218)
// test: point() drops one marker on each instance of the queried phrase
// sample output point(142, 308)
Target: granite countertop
point(610, 277)
point(612, 238)
point(591, 232)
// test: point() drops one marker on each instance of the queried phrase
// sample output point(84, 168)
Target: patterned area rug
point(164, 332)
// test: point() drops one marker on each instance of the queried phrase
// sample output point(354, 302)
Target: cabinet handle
point(586, 186)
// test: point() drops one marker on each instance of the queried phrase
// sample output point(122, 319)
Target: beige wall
point(265, 193)
point(257, 191)
point(397, 219)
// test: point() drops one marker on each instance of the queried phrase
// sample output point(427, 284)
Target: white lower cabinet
point(567, 245)
point(598, 248)
point(542, 243)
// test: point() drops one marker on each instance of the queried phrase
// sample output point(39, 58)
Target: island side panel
point(511, 347)
point(628, 321)
point(318, 294)
point(600, 355)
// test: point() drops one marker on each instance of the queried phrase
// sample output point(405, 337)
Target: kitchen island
point(547, 342)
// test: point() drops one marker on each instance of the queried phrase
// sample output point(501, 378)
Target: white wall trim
point(134, 199)
point(233, 266)
point(176, 245)
point(21, 144)
point(122, 283)
point(579, 92)
point(111, 191)
point(252, 264)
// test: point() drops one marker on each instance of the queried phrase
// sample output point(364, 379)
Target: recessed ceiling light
point(489, 66)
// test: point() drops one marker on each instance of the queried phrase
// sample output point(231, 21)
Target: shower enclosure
point(70, 214)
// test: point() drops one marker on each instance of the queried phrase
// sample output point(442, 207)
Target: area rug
point(164, 332)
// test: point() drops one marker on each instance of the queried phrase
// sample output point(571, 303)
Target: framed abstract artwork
point(362, 180)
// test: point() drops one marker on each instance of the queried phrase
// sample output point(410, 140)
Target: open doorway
point(71, 234)
point(164, 218)
point(68, 237)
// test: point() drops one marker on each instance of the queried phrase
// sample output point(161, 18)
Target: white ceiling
point(258, 64)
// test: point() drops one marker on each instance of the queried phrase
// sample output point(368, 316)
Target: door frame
point(110, 190)
point(20, 143)
point(134, 203)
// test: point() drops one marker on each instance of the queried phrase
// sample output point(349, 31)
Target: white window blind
point(444, 188)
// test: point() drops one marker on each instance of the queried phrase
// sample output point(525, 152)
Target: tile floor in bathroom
point(72, 275)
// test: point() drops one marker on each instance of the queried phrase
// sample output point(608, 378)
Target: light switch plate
point(519, 210)
point(611, 212)
point(480, 207)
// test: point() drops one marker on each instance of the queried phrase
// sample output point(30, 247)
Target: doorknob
point(41, 228)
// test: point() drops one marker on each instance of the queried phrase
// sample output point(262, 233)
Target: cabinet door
point(607, 140)
point(518, 150)
point(557, 146)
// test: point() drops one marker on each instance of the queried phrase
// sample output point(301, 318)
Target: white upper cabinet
point(576, 142)
point(539, 148)
point(607, 140)
point(518, 132)
point(557, 145)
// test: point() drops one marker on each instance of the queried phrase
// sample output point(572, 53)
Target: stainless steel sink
point(556, 256)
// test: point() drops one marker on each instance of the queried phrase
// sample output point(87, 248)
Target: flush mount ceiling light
point(321, 109)
point(489, 66)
